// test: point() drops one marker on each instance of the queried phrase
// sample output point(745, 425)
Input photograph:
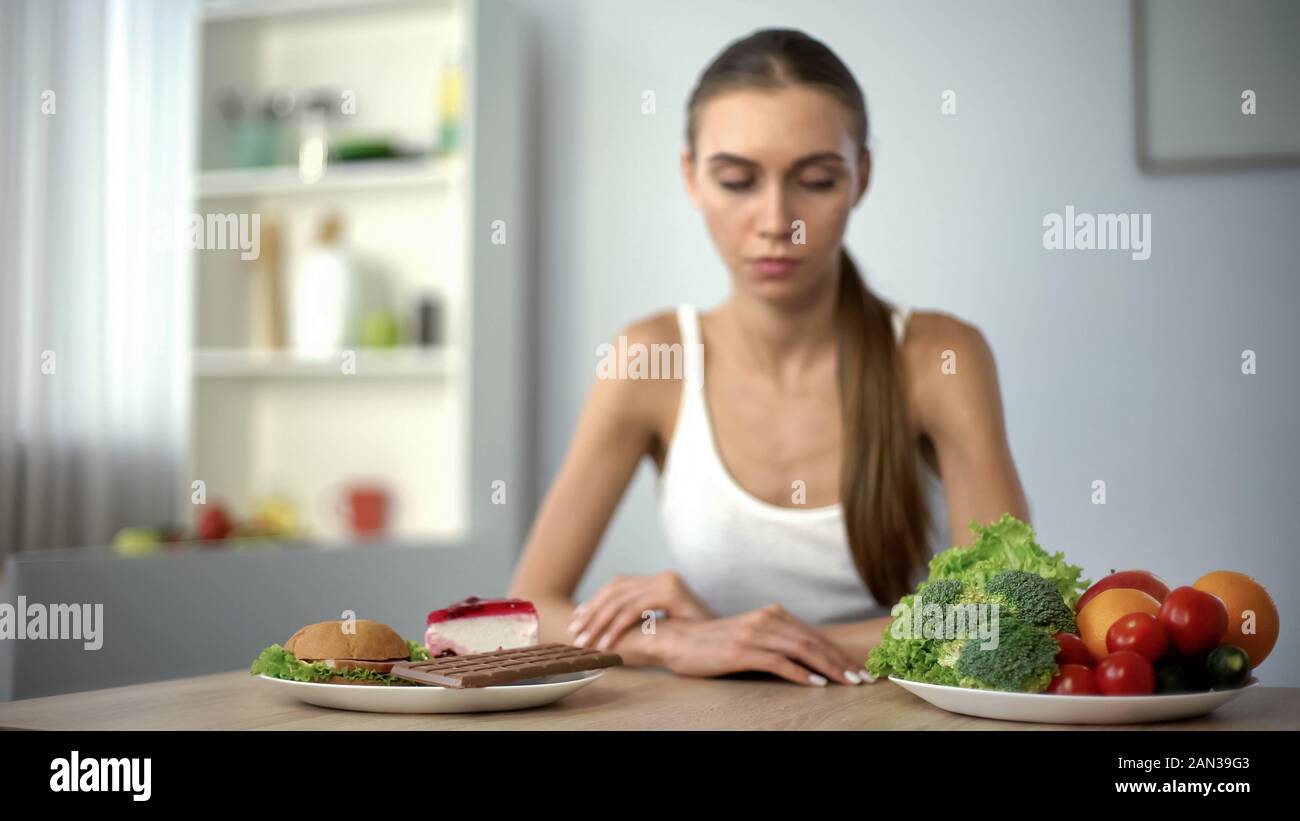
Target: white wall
point(1111, 369)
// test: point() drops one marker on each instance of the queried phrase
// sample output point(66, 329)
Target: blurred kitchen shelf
point(371, 363)
point(338, 176)
point(432, 423)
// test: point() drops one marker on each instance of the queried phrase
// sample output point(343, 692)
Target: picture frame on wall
point(1217, 84)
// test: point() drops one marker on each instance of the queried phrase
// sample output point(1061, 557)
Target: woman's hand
point(616, 607)
point(769, 639)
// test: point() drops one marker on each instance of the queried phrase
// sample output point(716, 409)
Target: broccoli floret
point(942, 592)
point(1031, 598)
point(1024, 659)
point(1030, 610)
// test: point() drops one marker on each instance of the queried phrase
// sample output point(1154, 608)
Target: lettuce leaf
point(1008, 544)
point(277, 662)
point(915, 659)
point(418, 652)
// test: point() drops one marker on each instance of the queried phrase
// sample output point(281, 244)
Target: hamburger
point(340, 652)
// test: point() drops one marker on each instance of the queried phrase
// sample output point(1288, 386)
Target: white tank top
point(739, 552)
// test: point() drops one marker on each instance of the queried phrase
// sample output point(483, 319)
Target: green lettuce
point(912, 658)
point(277, 662)
point(1008, 544)
point(418, 652)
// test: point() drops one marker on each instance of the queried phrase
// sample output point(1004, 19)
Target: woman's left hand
point(616, 607)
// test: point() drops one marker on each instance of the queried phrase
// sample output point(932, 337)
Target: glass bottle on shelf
point(314, 136)
point(451, 89)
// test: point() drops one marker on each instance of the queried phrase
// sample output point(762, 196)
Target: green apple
point(379, 329)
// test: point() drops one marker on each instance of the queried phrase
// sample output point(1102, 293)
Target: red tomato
point(1073, 650)
point(1074, 680)
point(1194, 621)
point(1125, 674)
point(1139, 632)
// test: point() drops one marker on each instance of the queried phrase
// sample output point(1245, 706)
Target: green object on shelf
point(379, 329)
point(377, 148)
point(257, 144)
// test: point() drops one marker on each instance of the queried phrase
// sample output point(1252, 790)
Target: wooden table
point(623, 699)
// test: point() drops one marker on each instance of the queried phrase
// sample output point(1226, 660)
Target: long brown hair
point(884, 511)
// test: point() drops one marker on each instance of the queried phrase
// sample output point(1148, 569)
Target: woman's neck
point(784, 338)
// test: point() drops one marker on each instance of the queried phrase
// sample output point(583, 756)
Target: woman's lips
point(773, 266)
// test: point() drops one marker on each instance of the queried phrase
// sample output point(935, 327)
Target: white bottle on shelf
point(322, 295)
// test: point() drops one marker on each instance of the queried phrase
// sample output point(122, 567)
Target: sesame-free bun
point(372, 641)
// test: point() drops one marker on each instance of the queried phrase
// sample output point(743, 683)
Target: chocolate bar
point(504, 666)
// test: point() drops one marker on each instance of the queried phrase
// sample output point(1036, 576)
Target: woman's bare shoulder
point(945, 358)
point(646, 361)
point(657, 328)
point(931, 332)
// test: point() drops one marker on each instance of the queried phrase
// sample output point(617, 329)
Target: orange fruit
point(1243, 595)
point(1108, 607)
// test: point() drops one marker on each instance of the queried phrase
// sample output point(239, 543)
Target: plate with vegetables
point(1003, 629)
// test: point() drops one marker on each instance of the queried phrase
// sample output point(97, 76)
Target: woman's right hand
point(768, 639)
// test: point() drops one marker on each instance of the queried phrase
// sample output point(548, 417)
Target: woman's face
point(776, 173)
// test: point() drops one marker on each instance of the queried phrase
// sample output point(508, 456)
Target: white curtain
point(96, 147)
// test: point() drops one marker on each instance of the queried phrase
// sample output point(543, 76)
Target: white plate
point(427, 699)
point(1049, 708)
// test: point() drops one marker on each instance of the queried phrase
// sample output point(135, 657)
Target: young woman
point(794, 461)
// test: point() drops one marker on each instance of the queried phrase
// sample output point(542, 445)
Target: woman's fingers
point(599, 620)
point(784, 633)
point(806, 651)
point(583, 613)
point(780, 665)
point(853, 670)
point(629, 613)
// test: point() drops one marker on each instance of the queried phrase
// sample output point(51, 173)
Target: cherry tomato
point(1194, 621)
point(1125, 674)
point(1073, 650)
point(1074, 680)
point(1139, 632)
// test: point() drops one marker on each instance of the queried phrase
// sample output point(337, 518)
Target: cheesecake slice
point(480, 626)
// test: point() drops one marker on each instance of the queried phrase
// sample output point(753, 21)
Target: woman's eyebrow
point(725, 158)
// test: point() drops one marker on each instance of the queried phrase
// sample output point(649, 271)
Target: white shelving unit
point(364, 363)
point(284, 181)
point(439, 424)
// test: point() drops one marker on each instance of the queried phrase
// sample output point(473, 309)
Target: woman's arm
point(961, 412)
point(616, 428)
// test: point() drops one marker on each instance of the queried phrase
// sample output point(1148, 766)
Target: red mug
point(365, 508)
